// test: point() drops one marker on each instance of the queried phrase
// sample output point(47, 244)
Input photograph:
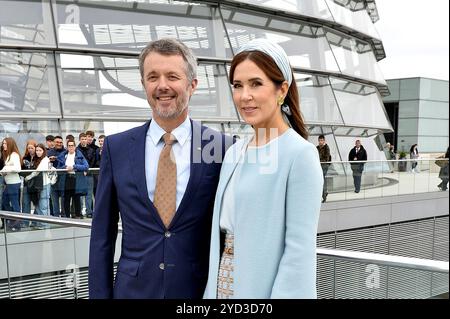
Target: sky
point(415, 37)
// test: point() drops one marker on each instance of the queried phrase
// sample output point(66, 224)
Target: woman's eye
point(236, 86)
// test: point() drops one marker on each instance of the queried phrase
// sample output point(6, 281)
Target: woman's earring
point(280, 101)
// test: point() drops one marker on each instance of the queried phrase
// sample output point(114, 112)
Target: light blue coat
point(277, 205)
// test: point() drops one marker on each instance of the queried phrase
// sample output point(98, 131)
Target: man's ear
point(194, 84)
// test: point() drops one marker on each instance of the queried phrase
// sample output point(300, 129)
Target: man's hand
point(69, 168)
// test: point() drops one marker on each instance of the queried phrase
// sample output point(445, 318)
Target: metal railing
point(381, 178)
point(405, 263)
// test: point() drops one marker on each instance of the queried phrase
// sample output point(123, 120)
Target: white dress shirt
point(70, 161)
point(181, 150)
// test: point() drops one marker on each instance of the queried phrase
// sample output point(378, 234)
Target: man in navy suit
point(160, 258)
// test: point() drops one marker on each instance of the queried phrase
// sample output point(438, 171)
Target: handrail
point(48, 219)
point(96, 169)
point(385, 260)
point(353, 256)
point(386, 160)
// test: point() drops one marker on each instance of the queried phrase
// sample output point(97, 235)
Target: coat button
point(167, 234)
point(161, 266)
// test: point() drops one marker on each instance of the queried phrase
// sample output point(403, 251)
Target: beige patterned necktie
point(166, 182)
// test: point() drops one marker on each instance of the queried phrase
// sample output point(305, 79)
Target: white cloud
point(415, 36)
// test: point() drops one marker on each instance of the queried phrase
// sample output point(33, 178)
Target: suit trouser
point(325, 186)
point(88, 199)
point(70, 193)
point(357, 181)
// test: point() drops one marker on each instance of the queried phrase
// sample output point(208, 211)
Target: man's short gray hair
point(171, 46)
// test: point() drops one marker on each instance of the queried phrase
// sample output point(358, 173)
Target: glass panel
point(47, 261)
point(214, 126)
point(28, 84)
point(306, 46)
point(354, 57)
point(360, 104)
point(433, 127)
point(433, 109)
point(23, 130)
point(99, 127)
point(409, 89)
point(4, 286)
point(357, 20)
point(212, 99)
point(317, 9)
point(239, 130)
point(432, 144)
point(102, 87)
point(408, 109)
point(26, 22)
point(436, 90)
point(408, 126)
point(345, 144)
point(110, 87)
point(128, 26)
point(394, 89)
point(317, 101)
point(41, 260)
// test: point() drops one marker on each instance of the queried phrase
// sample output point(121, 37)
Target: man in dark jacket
point(55, 208)
point(325, 158)
point(91, 140)
point(358, 153)
point(89, 154)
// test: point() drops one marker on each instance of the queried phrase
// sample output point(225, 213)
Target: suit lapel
point(137, 159)
point(196, 172)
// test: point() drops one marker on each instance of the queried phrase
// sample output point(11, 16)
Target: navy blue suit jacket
point(155, 262)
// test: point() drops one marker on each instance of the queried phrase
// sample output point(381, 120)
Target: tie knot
point(169, 139)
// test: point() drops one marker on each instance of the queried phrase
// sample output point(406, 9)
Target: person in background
point(444, 172)
point(40, 192)
point(98, 160)
point(91, 140)
point(27, 164)
point(2, 182)
point(89, 154)
point(69, 137)
point(56, 208)
point(268, 200)
point(358, 153)
point(74, 181)
point(50, 140)
point(10, 171)
point(325, 159)
point(392, 155)
point(414, 154)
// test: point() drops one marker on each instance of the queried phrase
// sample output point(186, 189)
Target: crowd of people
point(29, 181)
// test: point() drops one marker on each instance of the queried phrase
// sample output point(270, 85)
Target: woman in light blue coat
point(267, 205)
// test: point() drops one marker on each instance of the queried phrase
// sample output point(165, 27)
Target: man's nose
point(163, 84)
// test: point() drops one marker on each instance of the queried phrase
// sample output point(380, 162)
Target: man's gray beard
point(169, 116)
